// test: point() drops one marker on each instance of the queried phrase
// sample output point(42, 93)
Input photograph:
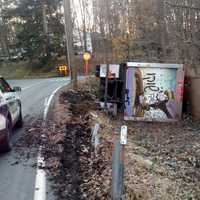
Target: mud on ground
point(77, 171)
point(162, 160)
point(83, 174)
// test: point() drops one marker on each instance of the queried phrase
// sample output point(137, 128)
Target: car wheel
point(19, 123)
point(7, 146)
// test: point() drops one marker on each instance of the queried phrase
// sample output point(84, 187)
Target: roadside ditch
point(76, 170)
point(162, 161)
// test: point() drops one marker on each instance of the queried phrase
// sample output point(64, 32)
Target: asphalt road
point(17, 180)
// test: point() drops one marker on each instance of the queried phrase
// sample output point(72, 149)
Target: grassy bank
point(22, 70)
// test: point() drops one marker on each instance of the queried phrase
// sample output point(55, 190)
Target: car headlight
point(2, 122)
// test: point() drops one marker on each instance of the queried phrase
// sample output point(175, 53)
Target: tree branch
point(182, 6)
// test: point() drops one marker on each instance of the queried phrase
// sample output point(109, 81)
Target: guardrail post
point(118, 166)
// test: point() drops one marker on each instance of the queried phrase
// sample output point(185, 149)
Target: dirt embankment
point(82, 173)
point(162, 161)
point(77, 170)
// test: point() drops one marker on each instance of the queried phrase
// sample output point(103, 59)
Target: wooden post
point(69, 42)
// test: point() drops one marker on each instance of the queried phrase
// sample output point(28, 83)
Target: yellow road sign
point(87, 56)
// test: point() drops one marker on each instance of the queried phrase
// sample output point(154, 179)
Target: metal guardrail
point(117, 189)
point(117, 173)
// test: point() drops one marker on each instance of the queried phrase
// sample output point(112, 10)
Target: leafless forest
point(153, 30)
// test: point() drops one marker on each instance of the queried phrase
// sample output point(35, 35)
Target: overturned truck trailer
point(112, 85)
point(153, 91)
point(143, 91)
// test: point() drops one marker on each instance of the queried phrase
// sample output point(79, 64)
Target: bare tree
point(153, 30)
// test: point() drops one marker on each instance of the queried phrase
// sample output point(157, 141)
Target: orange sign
point(62, 68)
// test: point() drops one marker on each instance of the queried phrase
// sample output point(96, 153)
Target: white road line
point(40, 181)
point(48, 103)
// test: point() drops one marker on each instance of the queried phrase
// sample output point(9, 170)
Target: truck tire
point(19, 123)
point(7, 145)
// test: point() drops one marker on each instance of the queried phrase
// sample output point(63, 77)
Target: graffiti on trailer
point(154, 92)
point(151, 83)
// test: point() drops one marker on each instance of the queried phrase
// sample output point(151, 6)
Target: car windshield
point(4, 86)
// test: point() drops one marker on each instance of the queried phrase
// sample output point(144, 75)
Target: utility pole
point(161, 22)
point(84, 26)
point(69, 42)
point(44, 14)
point(45, 29)
point(83, 15)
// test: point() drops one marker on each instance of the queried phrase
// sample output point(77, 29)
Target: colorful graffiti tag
point(154, 93)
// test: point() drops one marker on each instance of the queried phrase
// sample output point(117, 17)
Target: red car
point(10, 113)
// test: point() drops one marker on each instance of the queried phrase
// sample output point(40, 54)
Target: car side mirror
point(17, 89)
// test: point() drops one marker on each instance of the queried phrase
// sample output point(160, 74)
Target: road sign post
point(86, 57)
